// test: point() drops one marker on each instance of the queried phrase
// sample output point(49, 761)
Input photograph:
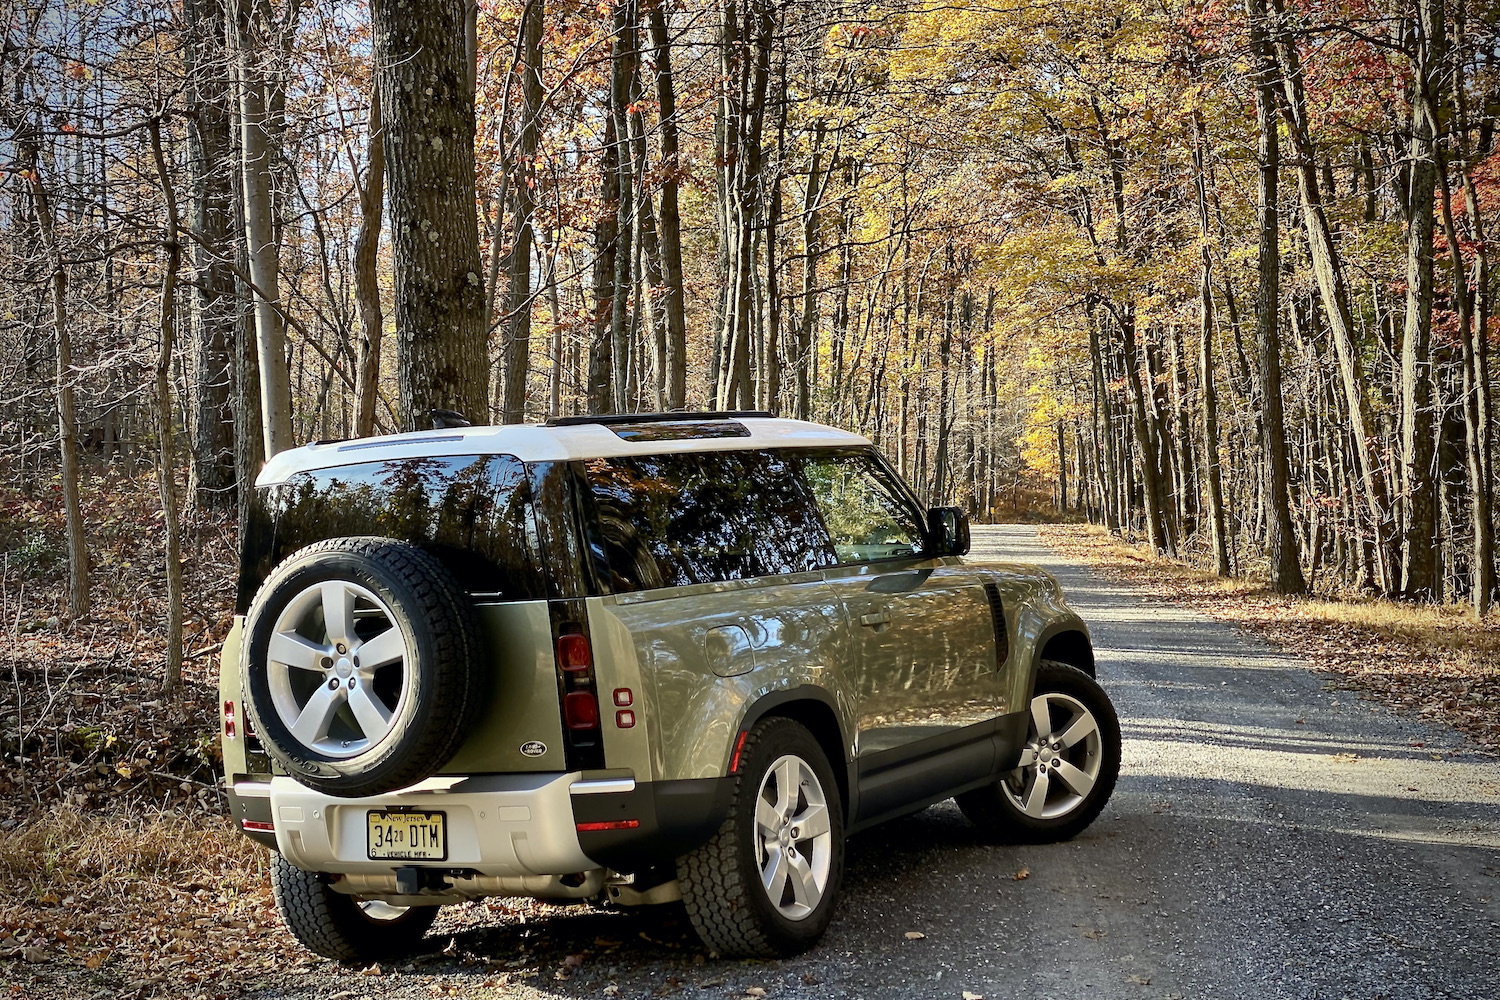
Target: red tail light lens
point(573, 653)
point(580, 710)
point(229, 720)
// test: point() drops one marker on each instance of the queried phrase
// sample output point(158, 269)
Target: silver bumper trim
point(602, 786)
point(503, 825)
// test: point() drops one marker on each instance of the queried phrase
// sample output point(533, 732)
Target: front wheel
point(342, 927)
point(1068, 766)
point(765, 885)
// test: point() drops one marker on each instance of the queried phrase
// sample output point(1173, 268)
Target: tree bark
point(165, 473)
point(427, 107)
point(744, 66)
point(623, 58)
point(29, 156)
point(671, 223)
point(1281, 543)
point(262, 247)
point(366, 274)
point(606, 240)
point(523, 186)
point(211, 215)
point(1209, 395)
point(1417, 572)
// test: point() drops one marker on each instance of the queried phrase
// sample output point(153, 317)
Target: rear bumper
point(504, 826)
point(508, 825)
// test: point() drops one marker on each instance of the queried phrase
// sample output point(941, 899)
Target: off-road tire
point(993, 811)
point(333, 925)
point(720, 881)
point(448, 682)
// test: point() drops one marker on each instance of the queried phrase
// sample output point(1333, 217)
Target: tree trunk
point(262, 247)
point(518, 298)
point(1281, 543)
point(623, 58)
point(427, 107)
point(366, 273)
point(1210, 401)
point(671, 223)
point(1417, 572)
point(211, 215)
point(165, 473)
point(29, 156)
point(744, 63)
point(606, 241)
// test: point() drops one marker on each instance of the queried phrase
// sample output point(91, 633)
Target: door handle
point(875, 620)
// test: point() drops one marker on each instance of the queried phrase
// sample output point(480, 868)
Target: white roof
point(540, 443)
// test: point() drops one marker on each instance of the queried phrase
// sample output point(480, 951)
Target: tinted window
point(675, 520)
point(865, 512)
point(471, 512)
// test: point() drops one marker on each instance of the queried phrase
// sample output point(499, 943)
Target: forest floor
point(1432, 661)
point(121, 875)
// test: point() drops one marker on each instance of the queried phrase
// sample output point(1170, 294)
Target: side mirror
point(947, 531)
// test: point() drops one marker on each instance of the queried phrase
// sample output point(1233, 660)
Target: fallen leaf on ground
point(973, 996)
point(1022, 875)
point(1138, 980)
point(754, 991)
point(914, 935)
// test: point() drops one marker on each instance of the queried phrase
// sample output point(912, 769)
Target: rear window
point(469, 511)
point(676, 520)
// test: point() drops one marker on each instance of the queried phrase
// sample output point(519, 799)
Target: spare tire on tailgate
point(361, 665)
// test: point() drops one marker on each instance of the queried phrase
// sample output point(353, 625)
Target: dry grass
point(115, 904)
point(1430, 660)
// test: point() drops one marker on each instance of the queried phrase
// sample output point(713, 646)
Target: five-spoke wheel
point(1067, 768)
point(793, 835)
point(1062, 758)
point(336, 664)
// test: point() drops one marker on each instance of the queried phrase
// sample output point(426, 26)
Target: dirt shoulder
point(1436, 662)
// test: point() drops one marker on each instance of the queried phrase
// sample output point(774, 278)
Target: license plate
point(407, 836)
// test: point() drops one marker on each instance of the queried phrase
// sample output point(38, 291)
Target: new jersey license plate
point(407, 836)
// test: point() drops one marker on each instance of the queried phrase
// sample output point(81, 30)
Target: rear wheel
point(765, 885)
point(1068, 766)
point(342, 927)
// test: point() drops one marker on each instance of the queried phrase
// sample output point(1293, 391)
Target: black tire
point(995, 809)
point(431, 694)
point(337, 926)
point(721, 881)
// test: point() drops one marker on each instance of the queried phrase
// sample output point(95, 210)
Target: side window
point(676, 520)
point(866, 516)
point(469, 511)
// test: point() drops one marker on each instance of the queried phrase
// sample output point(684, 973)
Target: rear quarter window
point(677, 520)
point(472, 512)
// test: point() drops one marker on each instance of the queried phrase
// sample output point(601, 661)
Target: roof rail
point(651, 418)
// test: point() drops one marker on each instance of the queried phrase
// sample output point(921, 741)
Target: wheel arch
point(1066, 642)
point(816, 711)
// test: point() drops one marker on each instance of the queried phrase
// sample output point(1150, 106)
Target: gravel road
point(1270, 836)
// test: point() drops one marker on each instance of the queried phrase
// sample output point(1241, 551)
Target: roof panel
point(539, 443)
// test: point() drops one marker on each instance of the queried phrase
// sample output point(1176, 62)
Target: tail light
point(574, 654)
point(229, 720)
point(581, 710)
point(580, 699)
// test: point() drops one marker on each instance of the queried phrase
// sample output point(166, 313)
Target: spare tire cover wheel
point(358, 665)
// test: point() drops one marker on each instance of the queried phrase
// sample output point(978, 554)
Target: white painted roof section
point(539, 443)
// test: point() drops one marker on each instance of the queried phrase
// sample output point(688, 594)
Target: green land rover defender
point(630, 660)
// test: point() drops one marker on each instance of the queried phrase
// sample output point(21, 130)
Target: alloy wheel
point(338, 668)
point(793, 837)
point(1061, 760)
